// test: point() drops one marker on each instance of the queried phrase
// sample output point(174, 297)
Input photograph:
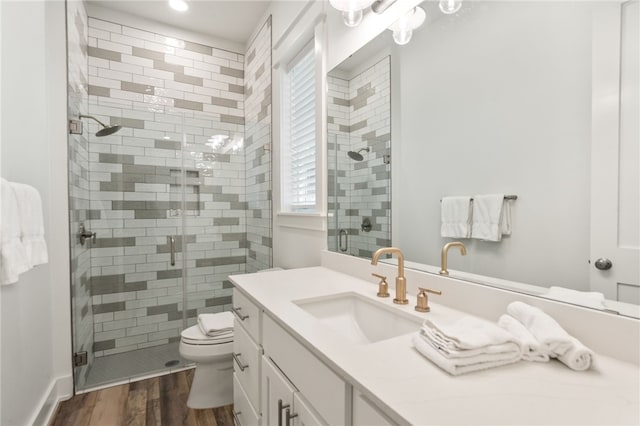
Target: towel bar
point(506, 197)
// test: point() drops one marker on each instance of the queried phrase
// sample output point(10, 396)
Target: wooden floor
point(157, 401)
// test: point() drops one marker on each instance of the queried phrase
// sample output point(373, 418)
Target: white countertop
point(410, 389)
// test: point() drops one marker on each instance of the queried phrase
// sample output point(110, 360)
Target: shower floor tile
point(134, 365)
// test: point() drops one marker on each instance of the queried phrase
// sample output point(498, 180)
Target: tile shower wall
point(156, 87)
point(360, 117)
point(258, 149)
point(82, 309)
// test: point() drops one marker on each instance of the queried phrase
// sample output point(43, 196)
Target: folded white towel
point(216, 324)
point(592, 299)
point(554, 339)
point(578, 357)
point(531, 348)
point(13, 257)
point(487, 214)
point(455, 215)
point(467, 333)
point(31, 223)
point(461, 365)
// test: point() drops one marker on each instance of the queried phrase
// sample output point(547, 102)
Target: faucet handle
point(423, 299)
point(383, 286)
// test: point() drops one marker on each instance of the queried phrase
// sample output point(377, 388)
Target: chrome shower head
point(106, 130)
point(356, 155)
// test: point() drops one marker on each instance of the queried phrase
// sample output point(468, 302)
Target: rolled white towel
point(216, 324)
point(578, 357)
point(461, 365)
point(531, 348)
point(553, 338)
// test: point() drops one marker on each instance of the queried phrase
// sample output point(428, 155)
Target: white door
point(615, 196)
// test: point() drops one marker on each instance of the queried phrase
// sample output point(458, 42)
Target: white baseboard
point(60, 389)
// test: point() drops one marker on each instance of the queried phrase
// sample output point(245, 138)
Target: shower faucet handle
point(84, 234)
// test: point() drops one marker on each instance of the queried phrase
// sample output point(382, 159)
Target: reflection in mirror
point(534, 99)
point(359, 120)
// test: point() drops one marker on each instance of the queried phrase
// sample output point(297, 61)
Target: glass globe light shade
point(449, 7)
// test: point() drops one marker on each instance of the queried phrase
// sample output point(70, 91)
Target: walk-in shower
point(173, 213)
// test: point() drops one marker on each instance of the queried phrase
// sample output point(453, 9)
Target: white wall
point(36, 336)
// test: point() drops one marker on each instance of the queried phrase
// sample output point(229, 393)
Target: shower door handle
point(341, 233)
point(172, 249)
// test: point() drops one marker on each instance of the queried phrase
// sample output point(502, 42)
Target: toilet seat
point(194, 336)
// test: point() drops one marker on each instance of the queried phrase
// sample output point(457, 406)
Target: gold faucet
point(401, 282)
point(445, 250)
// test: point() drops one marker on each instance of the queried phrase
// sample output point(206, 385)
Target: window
point(300, 133)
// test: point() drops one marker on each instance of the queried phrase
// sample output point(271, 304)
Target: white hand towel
point(592, 299)
point(216, 324)
point(505, 218)
point(554, 339)
point(461, 365)
point(578, 357)
point(455, 215)
point(13, 257)
point(31, 223)
point(531, 348)
point(467, 333)
point(487, 212)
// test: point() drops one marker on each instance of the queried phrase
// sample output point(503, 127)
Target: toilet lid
point(193, 335)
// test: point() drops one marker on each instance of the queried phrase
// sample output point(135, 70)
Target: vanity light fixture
point(449, 7)
point(379, 6)
point(179, 5)
point(351, 10)
point(403, 27)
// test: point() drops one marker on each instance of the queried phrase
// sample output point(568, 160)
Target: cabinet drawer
point(246, 314)
point(246, 364)
point(324, 389)
point(244, 414)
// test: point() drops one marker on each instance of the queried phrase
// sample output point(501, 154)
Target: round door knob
point(603, 264)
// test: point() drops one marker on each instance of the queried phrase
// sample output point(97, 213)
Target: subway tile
point(127, 122)
point(164, 66)
point(108, 307)
point(200, 48)
point(104, 345)
point(196, 106)
point(219, 261)
point(187, 79)
point(137, 88)
point(99, 91)
point(215, 301)
point(110, 55)
point(231, 119)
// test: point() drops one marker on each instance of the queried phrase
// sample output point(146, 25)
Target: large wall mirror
point(533, 99)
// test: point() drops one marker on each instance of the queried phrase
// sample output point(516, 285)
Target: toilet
point(213, 379)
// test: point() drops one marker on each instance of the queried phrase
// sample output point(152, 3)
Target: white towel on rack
point(531, 348)
point(455, 214)
point(31, 223)
point(487, 215)
point(216, 324)
point(13, 257)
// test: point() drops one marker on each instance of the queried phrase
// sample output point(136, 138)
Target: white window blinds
point(302, 132)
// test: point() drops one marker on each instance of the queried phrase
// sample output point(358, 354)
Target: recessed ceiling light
point(179, 5)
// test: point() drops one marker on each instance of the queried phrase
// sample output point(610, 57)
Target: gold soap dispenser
point(423, 299)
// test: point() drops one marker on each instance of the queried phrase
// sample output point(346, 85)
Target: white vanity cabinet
point(246, 361)
point(282, 403)
point(365, 413)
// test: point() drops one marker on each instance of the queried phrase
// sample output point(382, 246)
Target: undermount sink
point(359, 319)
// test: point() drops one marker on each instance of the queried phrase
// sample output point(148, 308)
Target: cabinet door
point(277, 394)
point(366, 414)
point(302, 413)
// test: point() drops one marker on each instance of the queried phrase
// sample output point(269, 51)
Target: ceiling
point(233, 20)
